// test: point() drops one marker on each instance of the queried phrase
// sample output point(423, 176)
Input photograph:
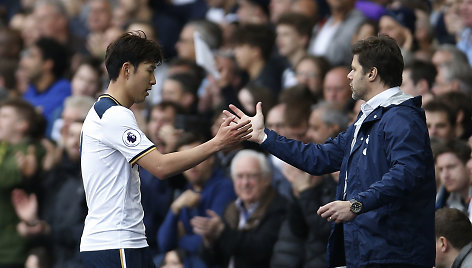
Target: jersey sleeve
point(122, 133)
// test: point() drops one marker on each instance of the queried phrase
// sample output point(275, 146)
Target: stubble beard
point(358, 94)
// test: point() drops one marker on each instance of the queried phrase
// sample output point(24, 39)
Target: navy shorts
point(118, 258)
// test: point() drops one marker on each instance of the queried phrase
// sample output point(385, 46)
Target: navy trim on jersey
point(111, 97)
point(134, 159)
point(104, 103)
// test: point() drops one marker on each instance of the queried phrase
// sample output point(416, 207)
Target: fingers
point(31, 150)
point(227, 113)
point(245, 133)
point(228, 120)
point(33, 197)
point(322, 210)
point(237, 111)
point(259, 108)
point(18, 195)
point(244, 130)
point(242, 124)
point(211, 213)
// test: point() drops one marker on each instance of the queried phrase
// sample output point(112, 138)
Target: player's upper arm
point(152, 162)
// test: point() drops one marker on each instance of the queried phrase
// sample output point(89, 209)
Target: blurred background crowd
point(241, 207)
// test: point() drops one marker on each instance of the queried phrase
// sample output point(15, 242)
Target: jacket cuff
point(269, 138)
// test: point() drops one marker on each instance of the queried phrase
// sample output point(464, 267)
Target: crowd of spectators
point(242, 207)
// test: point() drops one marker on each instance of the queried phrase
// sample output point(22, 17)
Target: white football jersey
point(111, 144)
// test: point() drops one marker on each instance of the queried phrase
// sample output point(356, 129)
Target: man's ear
point(443, 244)
point(372, 74)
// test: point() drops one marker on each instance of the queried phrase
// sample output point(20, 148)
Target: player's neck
point(117, 91)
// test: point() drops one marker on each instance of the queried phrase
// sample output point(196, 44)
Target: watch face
point(356, 207)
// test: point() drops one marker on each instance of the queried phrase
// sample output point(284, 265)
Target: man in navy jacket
point(383, 215)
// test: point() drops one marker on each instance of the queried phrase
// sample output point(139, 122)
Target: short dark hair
point(7, 72)
point(132, 47)
point(460, 102)
point(298, 100)
point(26, 111)
point(437, 105)
point(420, 69)
point(300, 22)
point(55, 51)
point(190, 65)
point(94, 63)
point(383, 53)
point(188, 82)
point(209, 31)
point(454, 225)
point(457, 147)
point(256, 35)
point(163, 105)
point(320, 61)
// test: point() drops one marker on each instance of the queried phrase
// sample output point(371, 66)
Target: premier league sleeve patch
point(131, 137)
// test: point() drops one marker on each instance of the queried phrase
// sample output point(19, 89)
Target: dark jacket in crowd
point(251, 246)
point(303, 237)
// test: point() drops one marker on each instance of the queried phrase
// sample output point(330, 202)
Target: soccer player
point(113, 147)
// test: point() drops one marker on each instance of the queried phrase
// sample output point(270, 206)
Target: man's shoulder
point(60, 88)
point(464, 259)
point(410, 106)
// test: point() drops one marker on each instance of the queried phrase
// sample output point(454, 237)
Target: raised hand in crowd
point(26, 207)
point(53, 154)
point(299, 179)
point(221, 89)
point(27, 163)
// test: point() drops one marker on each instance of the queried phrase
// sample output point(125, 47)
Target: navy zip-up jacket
point(391, 172)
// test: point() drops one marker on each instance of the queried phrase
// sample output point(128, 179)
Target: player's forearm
point(173, 163)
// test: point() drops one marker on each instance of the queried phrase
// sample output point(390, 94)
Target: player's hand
point(230, 133)
point(257, 121)
point(337, 211)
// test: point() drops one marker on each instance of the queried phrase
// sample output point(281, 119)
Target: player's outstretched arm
point(165, 165)
point(257, 121)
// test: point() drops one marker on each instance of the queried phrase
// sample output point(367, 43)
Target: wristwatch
point(356, 206)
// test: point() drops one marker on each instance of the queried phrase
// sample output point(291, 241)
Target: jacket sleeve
point(222, 196)
point(316, 159)
point(409, 156)
point(167, 234)
point(168, 237)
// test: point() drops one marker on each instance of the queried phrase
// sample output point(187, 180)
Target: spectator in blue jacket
point(383, 215)
point(207, 188)
point(45, 64)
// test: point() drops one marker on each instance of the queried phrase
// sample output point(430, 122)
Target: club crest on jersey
point(131, 137)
